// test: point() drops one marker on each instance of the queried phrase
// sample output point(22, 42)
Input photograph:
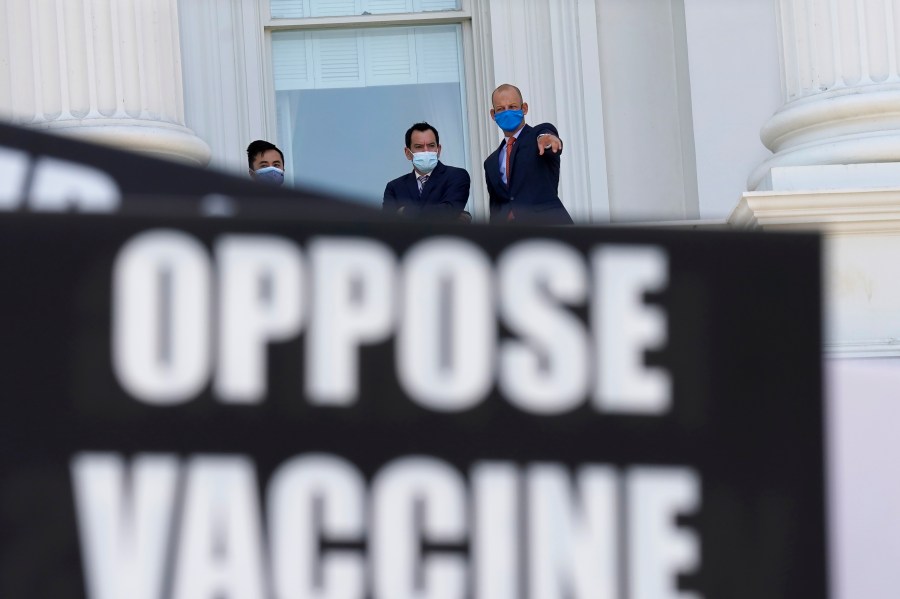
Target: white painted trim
point(592, 113)
point(873, 348)
point(360, 21)
point(690, 204)
point(687, 225)
point(478, 52)
point(260, 86)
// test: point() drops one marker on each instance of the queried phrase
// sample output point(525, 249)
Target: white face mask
point(425, 161)
point(270, 174)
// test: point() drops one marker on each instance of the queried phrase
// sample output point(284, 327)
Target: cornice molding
point(846, 211)
point(861, 229)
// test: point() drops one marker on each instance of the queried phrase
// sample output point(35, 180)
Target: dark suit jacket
point(532, 195)
point(443, 198)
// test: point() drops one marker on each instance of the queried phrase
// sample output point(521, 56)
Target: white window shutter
point(384, 7)
point(337, 56)
point(433, 5)
point(437, 51)
point(335, 8)
point(288, 9)
point(390, 57)
point(291, 58)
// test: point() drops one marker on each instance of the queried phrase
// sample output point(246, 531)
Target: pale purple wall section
point(864, 471)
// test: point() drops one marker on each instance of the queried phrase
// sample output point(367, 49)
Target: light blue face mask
point(425, 161)
point(271, 175)
point(509, 120)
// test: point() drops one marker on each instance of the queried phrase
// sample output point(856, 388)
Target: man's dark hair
point(259, 147)
point(421, 127)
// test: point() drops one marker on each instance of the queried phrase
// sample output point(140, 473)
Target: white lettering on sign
point(545, 370)
point(623, 383)
point(220, 542)
point(261, 301)
point(447, 329)
point(497, 525)
point(315, 496)
point(418, 500)
point(54, 185)
point(125, 518)
point(443, 303)
point(13, 173)
point(573, 552)
point(433, 533)
point(353, 289)
point(161, 330)
point(660, 550)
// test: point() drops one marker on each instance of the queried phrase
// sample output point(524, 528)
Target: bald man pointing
point(522, 174)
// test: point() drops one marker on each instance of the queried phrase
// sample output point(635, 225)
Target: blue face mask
point(271, 175)
point(425, 161)
point(509, 120)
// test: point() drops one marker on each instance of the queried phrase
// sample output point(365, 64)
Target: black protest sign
point(212, 409)
point(52, 173)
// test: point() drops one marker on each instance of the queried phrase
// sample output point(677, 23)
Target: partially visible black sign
point(209, 409)
point(53, 173)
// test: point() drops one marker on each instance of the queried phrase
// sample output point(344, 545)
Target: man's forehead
point(268, 156)
point(506, 95)
point(423, 137)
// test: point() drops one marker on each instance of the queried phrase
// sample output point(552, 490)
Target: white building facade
point(748, 114)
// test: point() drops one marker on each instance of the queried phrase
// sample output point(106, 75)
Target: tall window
point(347, 92)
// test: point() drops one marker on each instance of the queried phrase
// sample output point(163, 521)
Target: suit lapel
point(493, 169)
point(412, 188)
point(523, 137)
point(432, 182)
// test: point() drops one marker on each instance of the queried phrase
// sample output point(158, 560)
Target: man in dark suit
point(522, 174)
point(433, 190)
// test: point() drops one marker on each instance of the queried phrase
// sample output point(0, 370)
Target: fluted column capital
point(103, 70)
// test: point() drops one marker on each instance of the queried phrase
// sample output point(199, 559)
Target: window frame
point(477, 73)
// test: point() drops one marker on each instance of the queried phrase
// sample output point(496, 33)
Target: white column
point(224, 59)
point(107, 71)
point(841, 85)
